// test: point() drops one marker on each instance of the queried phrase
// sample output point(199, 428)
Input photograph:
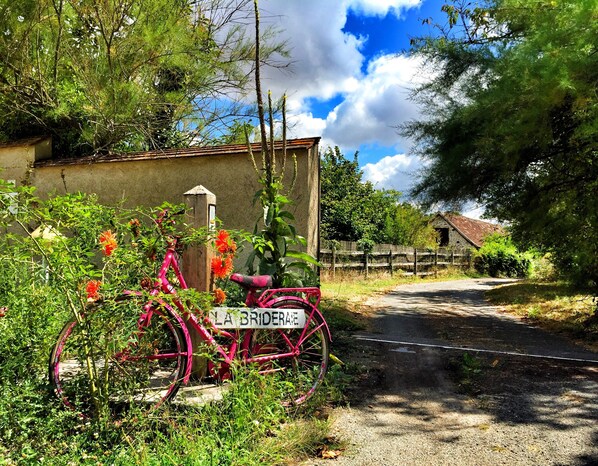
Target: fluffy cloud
point(325, 61)
point(392, 172)
point(305, 125)
point(371, 113)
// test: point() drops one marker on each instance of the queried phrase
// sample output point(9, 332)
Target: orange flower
point(224, 243)
point(222, 266)
point(135, 226)
point(219, 296)
point(3, 310)
point(108, 242)
point(92, 289)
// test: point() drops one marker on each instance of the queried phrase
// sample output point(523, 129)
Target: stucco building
point(150, 178)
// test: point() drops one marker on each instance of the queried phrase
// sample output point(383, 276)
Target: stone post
point(201, 212)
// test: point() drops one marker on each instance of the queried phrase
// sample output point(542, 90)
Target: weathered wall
point(456, 239)
point(149, 179)
point(17, 158)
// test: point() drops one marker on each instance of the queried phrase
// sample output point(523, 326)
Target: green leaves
point(116, 74)
point(499, 257)
point(510, 122)
point(271, 244)
point(352, 210)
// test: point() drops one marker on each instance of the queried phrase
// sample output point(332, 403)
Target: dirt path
point(514, 396)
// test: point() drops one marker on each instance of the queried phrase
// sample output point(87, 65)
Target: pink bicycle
point(141, 346)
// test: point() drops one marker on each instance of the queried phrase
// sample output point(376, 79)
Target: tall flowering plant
point(70, 258)
point(222, 263)
point(276, 244)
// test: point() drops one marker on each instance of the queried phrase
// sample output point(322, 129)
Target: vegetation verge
point(555, 306)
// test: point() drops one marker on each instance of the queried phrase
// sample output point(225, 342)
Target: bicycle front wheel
point(303, 372)
point(115, 360)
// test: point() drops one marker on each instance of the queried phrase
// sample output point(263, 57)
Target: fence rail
point(394, 259)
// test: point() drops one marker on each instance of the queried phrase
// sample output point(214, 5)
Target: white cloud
point(382, 7)
point(371, 113)
point(305, 125)
point(327, 63)
point(392, 172)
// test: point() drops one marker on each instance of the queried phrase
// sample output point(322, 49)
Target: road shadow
point(415, 366)
point(444, 395)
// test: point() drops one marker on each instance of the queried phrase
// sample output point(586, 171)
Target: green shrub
point(499, 257)
point(42, 286)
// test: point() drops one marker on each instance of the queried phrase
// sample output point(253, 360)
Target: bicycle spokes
point(299, 357)
point(98, 366)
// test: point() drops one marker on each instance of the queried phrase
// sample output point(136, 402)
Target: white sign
point(257, 317)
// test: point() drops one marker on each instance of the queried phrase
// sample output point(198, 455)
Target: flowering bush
point(108, 242)
point(219, 296)
point(93, 290)
point(222, 264)
point(60, 259)
point(224, 243)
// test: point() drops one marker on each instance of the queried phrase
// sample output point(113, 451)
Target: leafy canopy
point(119, 74)
point(353, 210)
point(511, 121)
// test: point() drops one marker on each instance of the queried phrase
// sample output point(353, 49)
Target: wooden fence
point(394, 259)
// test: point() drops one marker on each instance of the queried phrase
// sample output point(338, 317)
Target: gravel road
point(453, 381)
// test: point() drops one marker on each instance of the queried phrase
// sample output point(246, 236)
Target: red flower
point(108, 242)
point(219, 296)
point(224, 243)
point(222, 266)
point(3, 310)
point(92, 289)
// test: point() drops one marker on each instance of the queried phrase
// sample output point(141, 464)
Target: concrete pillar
point(201, 212)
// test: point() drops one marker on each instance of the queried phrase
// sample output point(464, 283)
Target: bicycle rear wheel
point(115, 360)
point(302, 373)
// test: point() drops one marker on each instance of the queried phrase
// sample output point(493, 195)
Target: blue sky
point(350, 77)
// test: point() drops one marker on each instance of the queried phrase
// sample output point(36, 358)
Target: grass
point(248, 427)
point(555, 306)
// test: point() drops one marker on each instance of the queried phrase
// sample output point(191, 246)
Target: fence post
point(452, 257)
point(333, 262)
point(390, 261)
point(436, 262)
point(365, 258)
point(415, 262)
point(201, 209)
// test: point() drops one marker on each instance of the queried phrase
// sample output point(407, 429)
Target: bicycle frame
point(206, 328)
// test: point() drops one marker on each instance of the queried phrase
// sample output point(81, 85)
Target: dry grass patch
point(555, 306)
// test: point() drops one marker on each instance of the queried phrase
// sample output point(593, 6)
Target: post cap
point(198, 191)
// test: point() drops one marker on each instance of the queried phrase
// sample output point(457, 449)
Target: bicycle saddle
point(252, 281)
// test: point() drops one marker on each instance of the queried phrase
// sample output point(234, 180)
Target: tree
point(408, 225)
point(119, 74)
point(353, 210)
point(511, 121)
point(347, 202)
